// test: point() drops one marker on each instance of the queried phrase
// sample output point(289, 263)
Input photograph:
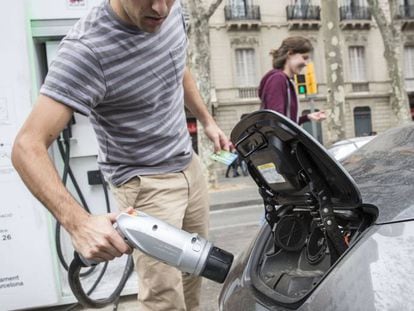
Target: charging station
point(31, 274)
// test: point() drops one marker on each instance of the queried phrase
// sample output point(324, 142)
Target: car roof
point(343, 148)
point(353, 140)
point(383, 169)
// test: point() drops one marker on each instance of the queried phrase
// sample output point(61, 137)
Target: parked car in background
point(343, 148)
point(338, 236)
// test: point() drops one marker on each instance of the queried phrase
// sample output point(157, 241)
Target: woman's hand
point(317, 116)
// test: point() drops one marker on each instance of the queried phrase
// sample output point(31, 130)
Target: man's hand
point(195, 104)
point(96, 239)
point(317, 116)
point(216, 135)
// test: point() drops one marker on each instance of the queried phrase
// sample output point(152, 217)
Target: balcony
point(238, 94)
point(406, 12)
point(409, 85)
point(406, 15)
point(247, 92)
point(354, 17)
point(242, 16)
point(303, 16)
point(358, 87)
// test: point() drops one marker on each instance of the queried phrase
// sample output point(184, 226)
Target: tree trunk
point(198, 62)
point(390, 30)
point(334, 71)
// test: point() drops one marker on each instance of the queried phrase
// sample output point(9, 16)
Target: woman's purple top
point(274, 96)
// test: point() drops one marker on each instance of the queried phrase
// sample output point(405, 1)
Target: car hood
point(373, 277)
point(383, 169)
point(376, 274)
point(284, 160)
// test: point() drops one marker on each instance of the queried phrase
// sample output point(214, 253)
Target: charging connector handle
point(188, 252)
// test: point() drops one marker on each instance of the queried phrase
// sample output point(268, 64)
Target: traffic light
point(301, 84)
point(306, 83)
point(311, 85)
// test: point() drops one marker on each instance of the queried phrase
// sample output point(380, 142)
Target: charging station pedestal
point(30, 273)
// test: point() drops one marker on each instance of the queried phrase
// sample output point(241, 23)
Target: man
point(123, 65)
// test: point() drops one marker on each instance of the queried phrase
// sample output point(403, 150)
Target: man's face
point(148, 15)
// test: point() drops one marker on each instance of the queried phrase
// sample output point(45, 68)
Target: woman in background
point(277, 91)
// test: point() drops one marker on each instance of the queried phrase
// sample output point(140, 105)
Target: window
point(245, 67)
point(354, 9)
point(357, 63)
point(409, 67)
point(406, 2)
point(362, 120)
point(301, 2)
point(411, 100)
point(407, 8)
point(300, 8)
point(409, 61)
point(354, 3)
point(239, 8)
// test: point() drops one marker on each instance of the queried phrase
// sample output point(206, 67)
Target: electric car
point(343, 148)
point(338, 236)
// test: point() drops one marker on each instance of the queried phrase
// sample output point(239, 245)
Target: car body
point(343, 148)
point(361, 262)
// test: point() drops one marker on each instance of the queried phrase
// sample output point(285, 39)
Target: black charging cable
point(84, 299)
point(67, 170)
point(74, 268)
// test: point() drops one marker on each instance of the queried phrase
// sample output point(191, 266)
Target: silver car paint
point(359, 281)
point(383, 171)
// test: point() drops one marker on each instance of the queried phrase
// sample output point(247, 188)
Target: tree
point(198, 61)
point(334, 70)
point(384, 13)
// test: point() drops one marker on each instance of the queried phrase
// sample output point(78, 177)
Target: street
point(231, 229)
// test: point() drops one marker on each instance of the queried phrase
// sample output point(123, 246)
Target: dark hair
point(293, 45)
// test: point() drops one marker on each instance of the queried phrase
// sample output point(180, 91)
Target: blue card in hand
point(224, 157)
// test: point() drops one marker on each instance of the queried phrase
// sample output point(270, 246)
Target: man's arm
point(92, 236)
point(195, 103)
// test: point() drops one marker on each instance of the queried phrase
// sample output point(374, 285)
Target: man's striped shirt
point(129, 83)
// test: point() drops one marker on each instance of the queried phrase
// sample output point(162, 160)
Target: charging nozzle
point(218, 264)
point(188, 252)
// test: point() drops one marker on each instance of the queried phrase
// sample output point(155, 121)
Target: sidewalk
point(234, 192)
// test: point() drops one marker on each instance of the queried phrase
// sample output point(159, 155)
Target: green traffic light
point(302, 89)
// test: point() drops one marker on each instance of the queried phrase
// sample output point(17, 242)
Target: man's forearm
point(195, 103)
point(93, 236)
point(193, 100)
point(34, 165)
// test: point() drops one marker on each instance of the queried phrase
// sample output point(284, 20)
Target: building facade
point(242, 32)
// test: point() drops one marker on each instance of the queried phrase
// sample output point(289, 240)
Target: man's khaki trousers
point(180, 199)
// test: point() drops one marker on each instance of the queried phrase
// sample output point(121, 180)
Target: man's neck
point(119, 10)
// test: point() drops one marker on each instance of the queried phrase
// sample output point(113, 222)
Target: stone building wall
point(231, 101)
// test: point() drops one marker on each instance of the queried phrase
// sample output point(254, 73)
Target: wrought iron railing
point(354, 12)
point(360, 87)
point(409, 84)
point(406, 12)
point(303, 12)
point(241, 12)
point(248, 92)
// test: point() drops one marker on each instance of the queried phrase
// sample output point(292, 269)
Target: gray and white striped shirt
point(129, 83)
